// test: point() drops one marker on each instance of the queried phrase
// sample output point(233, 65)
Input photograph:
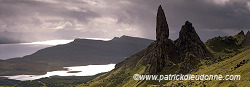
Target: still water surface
point(88, 70)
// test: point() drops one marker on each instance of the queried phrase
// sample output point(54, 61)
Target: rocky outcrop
point(163, 55)
point(162, 30)
point(190, 48)
point(240, 38)
point(227, 44)
point(241, 33)
point(187, 50)
point(159, 54)
point(189, 41)
point(163, 49)
point(247, 39)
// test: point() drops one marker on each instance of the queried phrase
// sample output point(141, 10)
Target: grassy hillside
point(237, 65)
point(225, 47)
point(226, 44)
point(231, 66)
point(54, 81)
point(124, 76)
point(117, 77)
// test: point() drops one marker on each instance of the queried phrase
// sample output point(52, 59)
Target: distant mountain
point(79, 52)
point(93, 51)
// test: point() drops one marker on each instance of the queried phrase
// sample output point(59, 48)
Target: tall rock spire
point(162, 30)
point(162, 56)
point(163, 51)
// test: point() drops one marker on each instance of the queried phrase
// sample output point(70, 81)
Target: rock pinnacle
point(162, 30)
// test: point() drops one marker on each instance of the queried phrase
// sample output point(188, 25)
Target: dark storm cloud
point(225, 17)
point(119, 17)
point(230, 15)
point(36, 14)
point(15, 8)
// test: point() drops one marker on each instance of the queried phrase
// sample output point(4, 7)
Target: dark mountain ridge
point(79, 52)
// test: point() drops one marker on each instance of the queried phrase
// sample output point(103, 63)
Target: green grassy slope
point(231, 66)
point(65, 81)
point(124, 78)
point(118, 77)
point(225, 47)
point(226, 44)
point(54, 81)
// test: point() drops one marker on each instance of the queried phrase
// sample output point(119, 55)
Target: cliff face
point(167, 53)
point(187, 50)
point(190, 42)
point(162, 30)
point(190, 48)
point(160, 53)
point(163, 49)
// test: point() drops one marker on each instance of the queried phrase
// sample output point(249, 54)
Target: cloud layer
point(109, 18)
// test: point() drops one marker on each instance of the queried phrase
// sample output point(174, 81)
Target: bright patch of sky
point(51, 42)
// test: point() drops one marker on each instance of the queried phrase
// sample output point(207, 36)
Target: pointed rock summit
point(241, 33)
point(189, 41)
point(190, 48)
point(162, 30)
point(163, 50)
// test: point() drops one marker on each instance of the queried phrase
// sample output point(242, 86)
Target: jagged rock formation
point(240, 38)
point(247, 39)
point(241, 33)
point(190, 48)
point(163, 49)
point(160, 53)
point(161, 56)
point(162, 30)
point(164, 54)
point(190, 42)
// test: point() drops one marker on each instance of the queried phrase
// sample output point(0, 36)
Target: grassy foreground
point(237, 65)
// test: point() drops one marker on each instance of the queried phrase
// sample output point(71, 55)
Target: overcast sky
point(109, 18)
